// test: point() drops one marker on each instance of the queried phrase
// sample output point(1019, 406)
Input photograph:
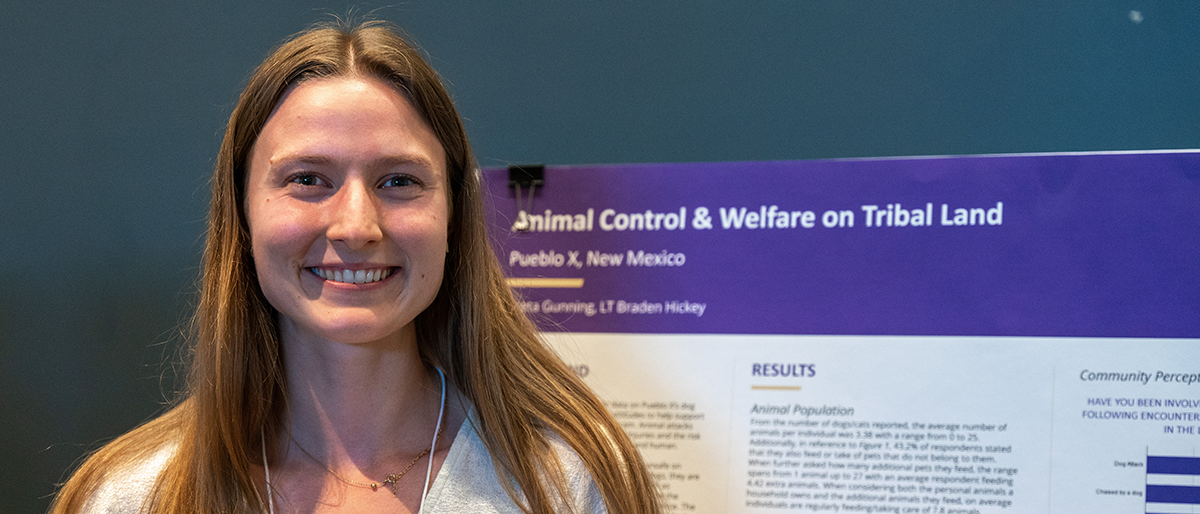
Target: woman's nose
point(355, 217)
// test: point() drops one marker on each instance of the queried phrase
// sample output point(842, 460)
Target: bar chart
point(1172, 484)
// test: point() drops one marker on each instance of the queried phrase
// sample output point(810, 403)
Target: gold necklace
point(390, 481)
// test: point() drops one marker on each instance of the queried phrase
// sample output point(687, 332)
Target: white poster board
point(977, 335)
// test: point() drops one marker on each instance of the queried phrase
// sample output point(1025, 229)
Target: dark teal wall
point(111, 113)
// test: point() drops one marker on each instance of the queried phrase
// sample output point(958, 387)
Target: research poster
point(976, 334)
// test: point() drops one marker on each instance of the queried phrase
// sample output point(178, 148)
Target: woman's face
point(347, 206)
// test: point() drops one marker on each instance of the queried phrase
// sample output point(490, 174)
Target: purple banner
point(1096, 245)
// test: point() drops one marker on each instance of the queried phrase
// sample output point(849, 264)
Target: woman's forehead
point(345, 117)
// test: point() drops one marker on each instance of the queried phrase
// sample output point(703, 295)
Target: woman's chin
point(364, 333)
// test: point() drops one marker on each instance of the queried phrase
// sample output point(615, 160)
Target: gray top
point(467, 482)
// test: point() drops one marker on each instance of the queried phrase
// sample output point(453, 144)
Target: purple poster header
point(1096, 245)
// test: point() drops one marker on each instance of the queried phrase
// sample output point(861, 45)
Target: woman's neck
point(370, 404)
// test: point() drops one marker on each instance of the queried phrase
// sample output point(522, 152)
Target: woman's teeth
point(362, 276)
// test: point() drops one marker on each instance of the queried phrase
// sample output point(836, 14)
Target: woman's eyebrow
point(393, 161)
point(318, 160)
point(382, 162)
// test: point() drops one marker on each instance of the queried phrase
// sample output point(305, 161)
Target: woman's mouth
point(352, 276)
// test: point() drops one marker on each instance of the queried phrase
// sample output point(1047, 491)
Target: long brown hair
point(474, 330)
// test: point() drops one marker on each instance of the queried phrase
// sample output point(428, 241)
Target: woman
point(356, 347)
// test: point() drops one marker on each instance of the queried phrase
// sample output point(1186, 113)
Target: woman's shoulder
point(587, 497)
point(125, 490)
point(468, 480)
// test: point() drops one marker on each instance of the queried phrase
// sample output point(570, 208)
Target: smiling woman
point(355, 327)
point(347, 181)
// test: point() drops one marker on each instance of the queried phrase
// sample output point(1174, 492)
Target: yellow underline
point(775, 388)
point(546, 283)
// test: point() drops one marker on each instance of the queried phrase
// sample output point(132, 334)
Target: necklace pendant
point(392, 478)
point(374, 486)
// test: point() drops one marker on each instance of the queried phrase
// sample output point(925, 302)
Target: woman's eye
point(399, 181)
point(306, 180)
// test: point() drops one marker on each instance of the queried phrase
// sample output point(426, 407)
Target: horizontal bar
point(546, 283)
point(1173, 494)
point(1173, 465)
point(775, 388)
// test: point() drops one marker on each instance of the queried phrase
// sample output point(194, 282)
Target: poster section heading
point(764, 217)
point(1049, 245)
